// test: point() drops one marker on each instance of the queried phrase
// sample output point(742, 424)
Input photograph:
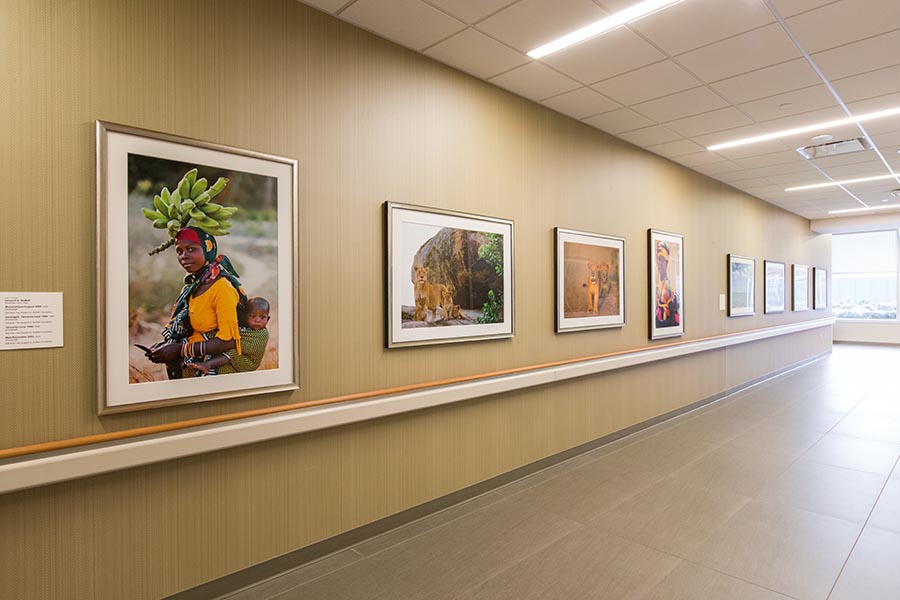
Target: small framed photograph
point(666, 269)
point(590, 283)
point(820, 288)
point(197, 270)
point(800, 287)
point(741, 289)
point(449, 276)
point(774, 286)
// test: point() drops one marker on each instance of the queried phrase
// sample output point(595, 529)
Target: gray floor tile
point(788, 550)
point(878, 429)
point(671, 516)
point(297, 577)
point(780, 440)
point(807, 418)
point(693, 582)
point(887, 511)
point(880, 404)
point(547, 474)
point(401, 534)
point(854, 453)
point(735, 470)
point(712, 428)
point(587, 564)
point(871, 573)
point(587, 492)
point(833, 491)
point(442, 562)
point(662, 453)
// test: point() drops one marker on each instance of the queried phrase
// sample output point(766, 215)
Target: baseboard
point(275, 566)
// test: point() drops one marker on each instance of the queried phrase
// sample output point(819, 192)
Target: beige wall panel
point(369, 122)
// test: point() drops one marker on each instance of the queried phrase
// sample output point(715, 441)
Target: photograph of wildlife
point(450, 276)
point(455, 277)
point(202, 270)
point(590, 290)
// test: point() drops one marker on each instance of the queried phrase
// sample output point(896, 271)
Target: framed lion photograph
point(590, 283)
point(449, 276)
point(197, 270)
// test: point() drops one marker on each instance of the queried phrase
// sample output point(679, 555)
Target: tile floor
point(790, 489)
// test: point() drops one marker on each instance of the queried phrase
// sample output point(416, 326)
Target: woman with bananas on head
point(204, 318)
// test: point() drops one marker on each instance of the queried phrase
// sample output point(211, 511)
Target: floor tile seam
point(825, 464)
point(609, 509)
point(430, 529)
point(860, 534)
point(498, 573)
point(256, 584)
point(747, 581)
point(747, 500)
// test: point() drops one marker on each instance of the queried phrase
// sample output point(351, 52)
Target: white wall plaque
point(31, 320)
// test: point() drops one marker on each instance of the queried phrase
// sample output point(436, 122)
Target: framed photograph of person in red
point(666, 269)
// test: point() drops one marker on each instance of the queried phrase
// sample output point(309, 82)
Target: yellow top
point(216, 308)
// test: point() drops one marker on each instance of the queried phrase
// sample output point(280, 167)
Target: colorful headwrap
point(662, 249)
point(216, 266)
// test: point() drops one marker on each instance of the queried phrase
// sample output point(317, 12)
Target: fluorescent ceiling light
point(806, 129)
point(853, 210)
point(815, 186)
point(633, 13)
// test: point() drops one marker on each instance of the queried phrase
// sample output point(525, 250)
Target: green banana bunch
point(190, 204)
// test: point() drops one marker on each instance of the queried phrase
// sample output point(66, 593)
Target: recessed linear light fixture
point(629, 15)
point(868, 208)
point(815, 186)
point(806, 129)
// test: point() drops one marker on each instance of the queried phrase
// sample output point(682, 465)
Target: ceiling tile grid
point(697, 73)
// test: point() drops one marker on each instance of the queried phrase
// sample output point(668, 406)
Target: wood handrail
point(112, 436)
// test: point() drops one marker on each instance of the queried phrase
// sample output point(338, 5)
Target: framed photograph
point(196, 271)
point(774, 286)
point(666, 254)
point(449, 276)
point(741, 289)
point(800, 295)
point(820, 288)
point(590, 282)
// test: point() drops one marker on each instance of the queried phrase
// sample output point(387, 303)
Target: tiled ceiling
point(696, 74)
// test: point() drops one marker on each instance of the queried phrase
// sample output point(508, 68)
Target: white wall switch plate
point(721, 301)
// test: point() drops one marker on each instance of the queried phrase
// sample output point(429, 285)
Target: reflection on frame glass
point(800, 295)
point(196, 277)
point(590, 283)
point(666, 269)
point(450, 276)
point(774, 286)
point(820, 288)
point(741, 288)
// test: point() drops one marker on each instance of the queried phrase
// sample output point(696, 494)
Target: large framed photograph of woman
point(449, 276)
point(197, 270)
point(590, 287)
point(666, 257)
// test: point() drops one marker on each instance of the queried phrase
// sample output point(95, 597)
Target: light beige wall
point(369, 122)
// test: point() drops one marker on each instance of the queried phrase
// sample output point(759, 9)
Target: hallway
point(789, 489)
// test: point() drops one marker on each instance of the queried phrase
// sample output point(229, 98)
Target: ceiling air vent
point(834, 148)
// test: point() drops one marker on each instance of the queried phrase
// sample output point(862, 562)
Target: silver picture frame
point(125, 386)
point(449, 276)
